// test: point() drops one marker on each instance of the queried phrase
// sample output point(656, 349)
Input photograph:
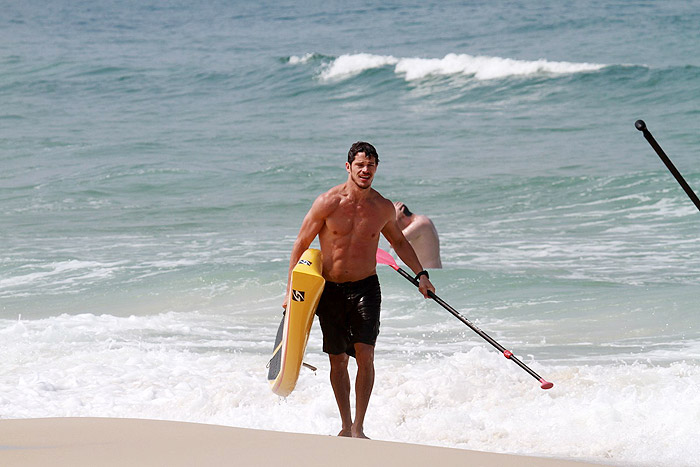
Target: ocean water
point(156, 160)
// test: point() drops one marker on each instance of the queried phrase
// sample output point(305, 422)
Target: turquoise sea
point(156, 160)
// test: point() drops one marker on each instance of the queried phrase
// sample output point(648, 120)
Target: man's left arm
point(403, 248)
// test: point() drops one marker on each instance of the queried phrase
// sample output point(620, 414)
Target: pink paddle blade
point(546, 384)
point(385, 258)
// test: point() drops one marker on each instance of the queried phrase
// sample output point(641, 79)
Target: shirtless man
point(348, 219)
point(421, 232)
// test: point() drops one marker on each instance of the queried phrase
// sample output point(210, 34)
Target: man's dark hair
point(406, 211)
point(362, 146)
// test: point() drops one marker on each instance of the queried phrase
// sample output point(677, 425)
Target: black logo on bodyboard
point(304, 261)
point(297, 295)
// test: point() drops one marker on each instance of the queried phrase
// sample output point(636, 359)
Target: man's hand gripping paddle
point(385, 258)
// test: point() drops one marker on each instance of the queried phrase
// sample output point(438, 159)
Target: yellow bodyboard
point(293, 333)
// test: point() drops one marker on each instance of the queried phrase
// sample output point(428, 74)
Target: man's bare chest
point(355, 220)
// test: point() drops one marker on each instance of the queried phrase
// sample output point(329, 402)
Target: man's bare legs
point(364, 382)
point(340, 381)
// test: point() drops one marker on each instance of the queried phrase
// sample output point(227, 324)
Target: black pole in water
point(641, 126)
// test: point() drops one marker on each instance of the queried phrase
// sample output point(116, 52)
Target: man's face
point(362, 170)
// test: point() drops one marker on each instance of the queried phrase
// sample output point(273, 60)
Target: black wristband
point(422, 273)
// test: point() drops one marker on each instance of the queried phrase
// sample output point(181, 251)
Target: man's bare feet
point(352, 433)
point(358, 433)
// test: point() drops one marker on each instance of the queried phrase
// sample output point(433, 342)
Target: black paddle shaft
point(641, 126)
point(506, 353)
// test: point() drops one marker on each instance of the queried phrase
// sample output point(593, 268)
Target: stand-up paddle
point(385, 258)
point(641, 126)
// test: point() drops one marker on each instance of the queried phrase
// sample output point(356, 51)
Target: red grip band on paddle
point(507, 353)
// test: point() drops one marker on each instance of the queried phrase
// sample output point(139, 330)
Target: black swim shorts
point(349, 313)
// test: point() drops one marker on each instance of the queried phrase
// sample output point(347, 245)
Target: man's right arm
point(310, 227)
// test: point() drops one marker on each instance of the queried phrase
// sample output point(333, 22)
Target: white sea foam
point(61, 273)
point(193, 367)
point(479, 67)
point(295, 60)
point(346, 66)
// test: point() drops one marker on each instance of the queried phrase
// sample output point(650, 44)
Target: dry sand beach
point(135, 442)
